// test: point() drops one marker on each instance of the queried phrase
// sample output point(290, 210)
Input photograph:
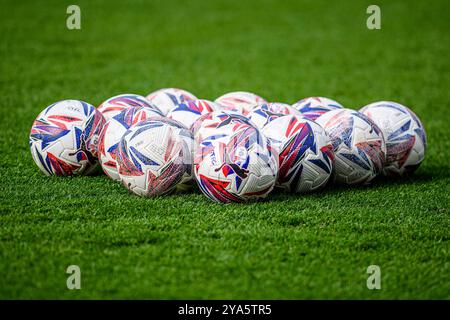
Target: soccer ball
point(405, 136)
point(305, 153)
point(64, 136)
point(358, 145)
point(116, 104)
point(113, 131)
point(313, 107)
point(189, 111)
point(210, 123)
point(239, 101)
point(236, 164)
point(166, 99)
point(266, 112)
point(152, 158)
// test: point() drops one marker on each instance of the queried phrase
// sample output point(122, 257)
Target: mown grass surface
point(184, 246)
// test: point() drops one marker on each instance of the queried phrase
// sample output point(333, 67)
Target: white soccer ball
point(112, 132)
point(236, 164)
point(267, 112)
point(166, 99)
point(187, 181)
point(116, 104)
point(64, 137)
point(189, 111)
point(313, 107)
point(210, 123)
point(304, 150)
point(239, 101)
point(358, 144)
point(152, 158)
point(406, 140)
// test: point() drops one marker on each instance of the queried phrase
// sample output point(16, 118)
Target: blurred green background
point(184, 246)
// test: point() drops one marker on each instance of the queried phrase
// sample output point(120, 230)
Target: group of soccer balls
point(235, 149)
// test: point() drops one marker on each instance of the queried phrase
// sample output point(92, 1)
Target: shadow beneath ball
point(422, 177)
point(281, 195)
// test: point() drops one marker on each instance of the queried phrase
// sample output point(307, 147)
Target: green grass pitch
point(184, 246)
